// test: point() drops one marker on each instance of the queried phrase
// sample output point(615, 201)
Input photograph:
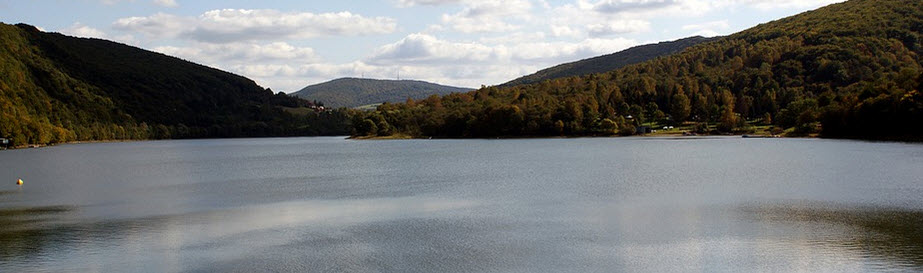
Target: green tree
point(637, 114)
point(559, 127)
point(700, 107)
point(383, 128)
point(627, 129)
point(608, 127)
point(728, 120)
point(367, 128)
point(680, 108)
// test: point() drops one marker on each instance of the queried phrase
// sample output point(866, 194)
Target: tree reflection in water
point(892, 234)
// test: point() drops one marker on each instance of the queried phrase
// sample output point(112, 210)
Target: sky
point(289, 44)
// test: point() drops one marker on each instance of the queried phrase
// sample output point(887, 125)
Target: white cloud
point(422, 48)
point(166, 3)
point(473, 64)
point(159, 25)
point(80, 30)
point(614, 18)
point(708, 29)
point(618, 27)
point(276, 65)
point(233, 25)
point(620, 6)
point(565, 31)
point(497, 8)
point(516, 37)
point(650, 8)
point(237, 53)
point(722, 24)
point(410, 3)
point(434, 29)
point(478, 24)
point(782, 4)
point(489, 16)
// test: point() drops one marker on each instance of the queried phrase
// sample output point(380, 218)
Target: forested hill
point(55, 88)
point(353, 92)
point(610, 62)
point(851, 69)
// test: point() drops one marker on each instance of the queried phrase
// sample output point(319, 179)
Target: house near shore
point(5, 142)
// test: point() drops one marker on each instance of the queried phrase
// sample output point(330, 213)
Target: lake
point(713, 204)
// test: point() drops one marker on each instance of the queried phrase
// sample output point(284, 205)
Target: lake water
point(722, 204)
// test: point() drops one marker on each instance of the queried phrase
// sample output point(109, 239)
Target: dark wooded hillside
point(56, 88)
point(846, 70)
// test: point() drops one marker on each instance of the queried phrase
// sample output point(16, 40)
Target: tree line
point(828, 71)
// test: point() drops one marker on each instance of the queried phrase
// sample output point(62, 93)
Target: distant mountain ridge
point(355, 92)
point(612, 61)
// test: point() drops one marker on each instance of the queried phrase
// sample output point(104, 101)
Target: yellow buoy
point(19, 182)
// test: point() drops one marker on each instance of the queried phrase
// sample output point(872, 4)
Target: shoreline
point(652, 135)
point(37, 146)
point(911, 140)
point(915, 140)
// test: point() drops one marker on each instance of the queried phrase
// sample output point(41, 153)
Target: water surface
point(530, 205)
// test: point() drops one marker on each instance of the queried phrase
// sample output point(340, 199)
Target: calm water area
point(712, 204)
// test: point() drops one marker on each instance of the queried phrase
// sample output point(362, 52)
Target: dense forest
point(55, 88)
point(355, 92)
point(846, 70)
point(606, 63)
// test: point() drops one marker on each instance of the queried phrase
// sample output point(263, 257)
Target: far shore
point(916, 140)
point(33, 146)
point(651, 135)
point(658, 134)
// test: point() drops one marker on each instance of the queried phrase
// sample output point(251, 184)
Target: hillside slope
point(354, 92)
point(610, 62)
point(851, 69)
point(55, 88)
